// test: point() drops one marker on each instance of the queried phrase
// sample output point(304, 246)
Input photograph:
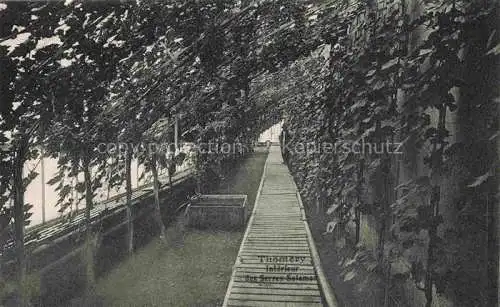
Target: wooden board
point(274, 265)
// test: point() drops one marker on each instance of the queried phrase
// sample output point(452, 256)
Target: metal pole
point(176, 133)
point(137, 173)
point(42, 175)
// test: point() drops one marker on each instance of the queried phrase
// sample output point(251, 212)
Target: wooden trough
point(219, 211)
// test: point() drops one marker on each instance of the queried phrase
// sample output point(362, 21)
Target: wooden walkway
point(277, 264)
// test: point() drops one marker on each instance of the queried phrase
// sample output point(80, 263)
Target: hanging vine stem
point(359, 191)
point(436, 170)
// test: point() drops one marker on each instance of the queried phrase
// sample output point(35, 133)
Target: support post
point(42, 176)
point(137, 173)
point(176, 133)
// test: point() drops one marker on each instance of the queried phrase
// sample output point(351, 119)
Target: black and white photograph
point(249, 153)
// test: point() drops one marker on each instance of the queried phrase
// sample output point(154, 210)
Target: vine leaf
point(349, 276)
point(390, 63)
point(56, 179)
point(333, 208)
point(495, 50)
point(480, 180)
point(331, 226)
point(491, 138)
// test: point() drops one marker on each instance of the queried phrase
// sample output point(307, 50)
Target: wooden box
point(217, 211)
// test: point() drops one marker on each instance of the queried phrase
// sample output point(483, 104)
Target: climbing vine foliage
point(412, 83)
point(395, 79)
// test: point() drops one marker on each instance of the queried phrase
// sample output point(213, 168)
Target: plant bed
point(218, 211)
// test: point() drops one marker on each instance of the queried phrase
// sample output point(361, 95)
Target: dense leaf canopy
point(78, 74)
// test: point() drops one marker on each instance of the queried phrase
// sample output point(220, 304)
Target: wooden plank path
point(276, 265)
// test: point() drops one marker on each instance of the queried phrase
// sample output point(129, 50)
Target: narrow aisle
point(275, 264)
